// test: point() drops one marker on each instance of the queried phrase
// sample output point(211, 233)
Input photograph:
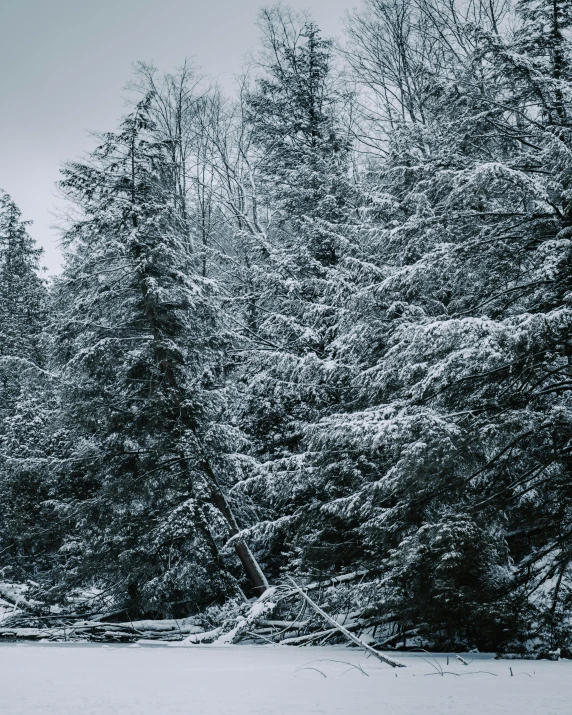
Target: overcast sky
point(65, 64)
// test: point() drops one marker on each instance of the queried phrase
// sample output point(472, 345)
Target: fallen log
point(298, 640)
point(161, 630)
point(345, 631)
point(23, 633)
point(195, 638)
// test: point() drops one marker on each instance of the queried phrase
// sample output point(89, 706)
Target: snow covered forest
point(318, 329)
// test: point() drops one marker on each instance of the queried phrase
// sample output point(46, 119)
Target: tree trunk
point(249, 563)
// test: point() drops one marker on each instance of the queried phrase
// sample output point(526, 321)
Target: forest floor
point(90, 679)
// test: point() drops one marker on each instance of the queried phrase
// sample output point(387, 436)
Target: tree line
point(318, 327)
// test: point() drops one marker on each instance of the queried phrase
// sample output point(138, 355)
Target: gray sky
point(65, 63)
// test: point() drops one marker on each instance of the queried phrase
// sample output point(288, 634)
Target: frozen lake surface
point(76, 679)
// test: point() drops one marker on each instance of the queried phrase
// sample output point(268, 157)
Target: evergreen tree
point(24, 542)
point(22, 297)
point(139, 346)
point(302, 154)
point(450, 455)
point(303, 150)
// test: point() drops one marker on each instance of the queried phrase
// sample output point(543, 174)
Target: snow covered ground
point(75, 679)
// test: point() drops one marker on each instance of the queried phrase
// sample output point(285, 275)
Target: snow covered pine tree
point(139, 345)
point(302, 153)
point(25, 542)
point(458, 438)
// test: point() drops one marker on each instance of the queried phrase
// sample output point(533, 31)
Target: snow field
point(77, 679)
